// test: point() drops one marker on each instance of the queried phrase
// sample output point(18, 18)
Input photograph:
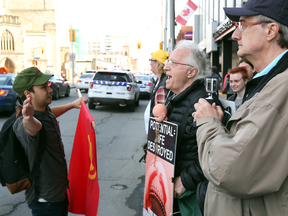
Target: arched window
point(7, 41)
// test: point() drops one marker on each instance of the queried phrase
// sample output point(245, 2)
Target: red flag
point(83, 180)
point(186, 13)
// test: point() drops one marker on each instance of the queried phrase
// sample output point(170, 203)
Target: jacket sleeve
point(249, 160)
point(192, 175)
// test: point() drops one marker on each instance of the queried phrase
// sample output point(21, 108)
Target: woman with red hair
point(238, 80)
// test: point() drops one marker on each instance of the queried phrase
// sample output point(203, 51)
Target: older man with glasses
point(186, 69)
point(246, 161)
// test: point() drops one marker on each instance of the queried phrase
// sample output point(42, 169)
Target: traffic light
point(42, 50)
point(160, 45)
point(73, 35)
point(34, 62)
point(139, 45)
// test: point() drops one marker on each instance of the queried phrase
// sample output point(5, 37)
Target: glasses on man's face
point(152, 60)
point(173, 63)
point(240, 24)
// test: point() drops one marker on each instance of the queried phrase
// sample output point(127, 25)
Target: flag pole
point(79, 93)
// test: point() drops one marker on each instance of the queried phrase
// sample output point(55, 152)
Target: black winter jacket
point(187, 164)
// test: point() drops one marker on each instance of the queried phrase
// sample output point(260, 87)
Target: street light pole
point(172, 22)
point(72, 62)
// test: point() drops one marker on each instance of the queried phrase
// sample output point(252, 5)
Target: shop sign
point(223, 29)
point(188, 35)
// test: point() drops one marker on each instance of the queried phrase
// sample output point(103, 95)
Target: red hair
point(241, 70)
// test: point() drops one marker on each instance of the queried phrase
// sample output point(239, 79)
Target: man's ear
point(192, 72)
point(272, 31)
point(26, 92)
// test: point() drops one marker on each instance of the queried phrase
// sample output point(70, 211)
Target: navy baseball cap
point(274, 9)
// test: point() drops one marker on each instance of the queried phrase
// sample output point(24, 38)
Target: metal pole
point(72, 62)
point(95, 66)
point(34, 57)
point(162, 29)
point(165, 30)
point(172, 23)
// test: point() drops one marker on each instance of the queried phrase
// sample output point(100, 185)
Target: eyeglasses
point(240, 24)
point(153, 60)
point(173, 63)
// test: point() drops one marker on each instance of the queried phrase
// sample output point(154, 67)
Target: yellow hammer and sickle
point(93, 176)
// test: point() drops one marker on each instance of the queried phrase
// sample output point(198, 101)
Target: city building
point(112, 52)
point(33, 33)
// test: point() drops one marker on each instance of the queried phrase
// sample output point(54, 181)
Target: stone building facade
point(33, 32)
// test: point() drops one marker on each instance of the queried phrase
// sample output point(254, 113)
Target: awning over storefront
point(223, 29)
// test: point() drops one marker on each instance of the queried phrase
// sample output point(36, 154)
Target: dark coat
point(187, 164)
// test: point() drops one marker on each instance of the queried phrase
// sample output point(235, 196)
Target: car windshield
point(142, 78)
point(52, 78)
point(3, 80)
point(87, 76)
point(111, 76)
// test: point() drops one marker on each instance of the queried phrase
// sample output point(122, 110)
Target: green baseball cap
point(29, 77)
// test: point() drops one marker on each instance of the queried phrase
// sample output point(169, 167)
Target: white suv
point(113, 88)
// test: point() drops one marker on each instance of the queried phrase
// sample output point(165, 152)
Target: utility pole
point(72, 62)
point(95, 63)
point(166, 21)
point(162, 30)
point(172, 22)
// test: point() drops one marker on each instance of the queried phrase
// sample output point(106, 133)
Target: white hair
point(197, 58)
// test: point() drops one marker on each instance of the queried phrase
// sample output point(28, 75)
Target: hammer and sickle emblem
point(91, 176)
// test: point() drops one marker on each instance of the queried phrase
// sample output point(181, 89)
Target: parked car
point(60, 86)
point(83, 81)
point(145, 83)
point(91, 71)
point(113, 88)
point(9, 99)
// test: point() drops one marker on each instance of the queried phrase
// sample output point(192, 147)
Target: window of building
point(7, 41)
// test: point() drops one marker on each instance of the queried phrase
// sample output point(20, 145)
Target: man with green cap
point(50, 196)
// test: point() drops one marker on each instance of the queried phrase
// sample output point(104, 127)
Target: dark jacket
point(187, 165)
point(162, 82)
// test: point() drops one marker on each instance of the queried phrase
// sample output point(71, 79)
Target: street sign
point(72, 56)
point(37, 58)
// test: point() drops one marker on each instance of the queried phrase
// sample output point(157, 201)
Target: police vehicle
point(113, 88)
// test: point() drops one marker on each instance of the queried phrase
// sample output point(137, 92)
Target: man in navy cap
point(246, 161)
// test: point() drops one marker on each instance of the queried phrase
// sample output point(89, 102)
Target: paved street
point(120, 135)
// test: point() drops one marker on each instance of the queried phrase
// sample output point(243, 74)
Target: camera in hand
point(211, 86)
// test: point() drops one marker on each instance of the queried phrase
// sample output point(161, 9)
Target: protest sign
point(160, 159)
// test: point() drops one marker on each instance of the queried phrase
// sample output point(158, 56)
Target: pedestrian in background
point(47, 196)
point(160, 92)
point(215, 74)
point(227, 88)
point(246, 161)
point(249, 67)
point(238, 80)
